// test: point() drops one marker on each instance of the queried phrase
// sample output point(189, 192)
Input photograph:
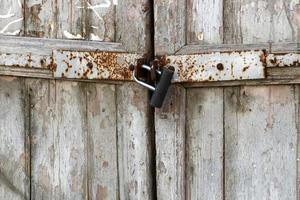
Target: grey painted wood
point(204, 144)
point(70, 19)
point(101, 21)
point(260, 143)
point(297, 95)
point(170, 145)
point(269, 47)
point(14, 145)
point(21, 45)
point(11, 17)
point(133, 27)
point(102, 156)
point(45, 152)
point(260, 21)
point(59, 142)
point(170, 26)
point(205, 22)
point(135, 152)
point(41, 18)
point(72, 145)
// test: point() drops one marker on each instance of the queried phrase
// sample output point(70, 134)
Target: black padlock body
point(162, 87)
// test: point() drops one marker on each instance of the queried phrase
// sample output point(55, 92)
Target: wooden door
point(221, 136)
point(63, 139)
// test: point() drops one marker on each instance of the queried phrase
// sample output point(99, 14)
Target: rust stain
point(220, 66)
point(34, 23)
point(263, 58)
point(101, 192)
point(94, 65)
point(245, 68)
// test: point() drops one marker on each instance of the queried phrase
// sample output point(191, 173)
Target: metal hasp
point(161, 78)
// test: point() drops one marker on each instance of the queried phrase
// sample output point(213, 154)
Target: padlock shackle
point(149, 69)
point(150, 87)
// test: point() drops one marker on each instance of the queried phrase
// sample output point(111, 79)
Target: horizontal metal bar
point(228, 66)
point(93, 65)
point(217, 66)
point(114, 66)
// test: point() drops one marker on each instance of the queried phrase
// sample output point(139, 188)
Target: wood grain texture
point(41, 18)
point(14, 145)
point(256, 21)
point(170, 145)
point(205, 22)
point(71, 19)
point(170, 26)
point(72, 145)
point(45, 165)
point(102, 156)
point(133, 27)
point(297, 103)
point(204, 141)
point(260, 143)
point(101, 21)
point(134, 143)
point(59, 142)
point(11, 17)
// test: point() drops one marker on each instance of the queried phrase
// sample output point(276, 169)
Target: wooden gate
point(229, 139)
point(74, 126)
point(67, 139)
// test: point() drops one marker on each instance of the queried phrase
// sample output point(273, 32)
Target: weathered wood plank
point(45, 165)
point(102, 142)
point(297, 104)
point(133, 26)
point(14, 145)
point(205, 22)
point(269, 47)
point(11, 17)
point(260, 143)
point(71, 19)
point(101, 20)
point(41, 18)
point(59, 143)
point(20, 45)
point(256, 21)
point(170, 26)
point(72, 145)
point(204, 143)
point(170, 145)
point(134, 143)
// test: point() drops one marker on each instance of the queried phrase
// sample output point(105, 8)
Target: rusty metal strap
point(93, 65)
point(210, 67)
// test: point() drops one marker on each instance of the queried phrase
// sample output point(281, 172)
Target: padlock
point(162, 83)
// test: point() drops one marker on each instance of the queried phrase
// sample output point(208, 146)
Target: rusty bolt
point(131, 67)
point(220, 66)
